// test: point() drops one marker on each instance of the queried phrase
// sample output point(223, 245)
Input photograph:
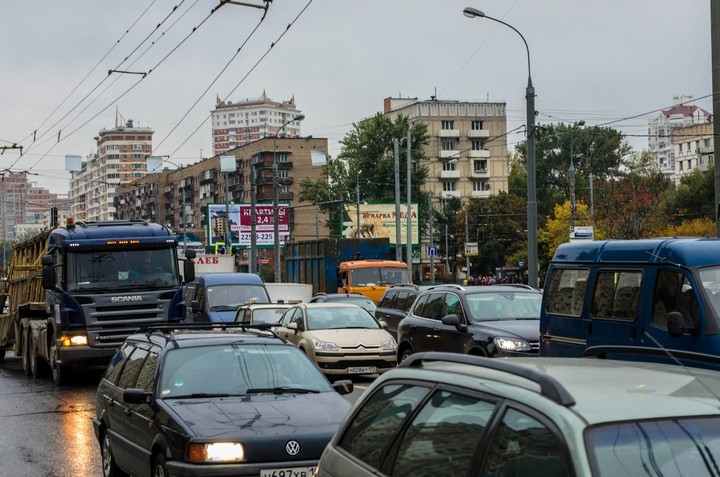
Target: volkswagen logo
point(292, 447)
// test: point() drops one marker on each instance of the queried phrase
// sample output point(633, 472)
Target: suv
point(495, 320)
point(194, 401)
point(355, 298)
point(395, 304)
point(451, 414)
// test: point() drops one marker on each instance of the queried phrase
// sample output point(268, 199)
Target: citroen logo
point(292, 447)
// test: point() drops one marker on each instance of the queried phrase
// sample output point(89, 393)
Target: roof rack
point(447, 285)
point(219, 326)
point(549, 386)
point(396, 285)
point(603, 352)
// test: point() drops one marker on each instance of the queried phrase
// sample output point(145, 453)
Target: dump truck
point(344, 266)
point(72, 294)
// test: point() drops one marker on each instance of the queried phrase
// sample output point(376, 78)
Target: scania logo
point(117, 299)
point(292, 447)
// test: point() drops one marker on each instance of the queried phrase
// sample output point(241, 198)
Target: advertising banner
point(378, 220)
point(240, 220)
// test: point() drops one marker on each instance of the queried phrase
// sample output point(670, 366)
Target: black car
point(489, 321)
point(395, 304)
point(198, 401)
point(356, 298)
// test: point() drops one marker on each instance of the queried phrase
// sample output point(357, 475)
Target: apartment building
point(467, 148)
point(238, 123)
point(693, 148)
point(121, 157)
point(179, 198)
point(661, 129)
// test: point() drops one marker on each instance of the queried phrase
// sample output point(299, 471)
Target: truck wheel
point(36, 364)
point(60, 373)
point(25, 337)
point(109, 467)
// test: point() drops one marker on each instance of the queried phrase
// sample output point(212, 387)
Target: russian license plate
point(362, 370)
point(288, 472)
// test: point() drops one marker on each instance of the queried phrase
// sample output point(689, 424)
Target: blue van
point(657, 293)
point(215, 297)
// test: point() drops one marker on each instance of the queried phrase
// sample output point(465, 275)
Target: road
point(46, 431)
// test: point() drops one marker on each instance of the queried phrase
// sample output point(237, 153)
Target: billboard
point(240, 220)
point(378, 220)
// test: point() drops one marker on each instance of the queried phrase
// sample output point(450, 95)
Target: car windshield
point(220, 370)
point(233, 295)
point(504, 305)
point(710, 278)
point(380, 276)
point(339, 317)
point(673, 447)
point(267, 315)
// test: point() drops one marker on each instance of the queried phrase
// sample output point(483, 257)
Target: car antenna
point(680, 363)
point(665, 260)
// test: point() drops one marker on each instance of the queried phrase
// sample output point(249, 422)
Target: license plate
point(288, 472)
point(362, 370)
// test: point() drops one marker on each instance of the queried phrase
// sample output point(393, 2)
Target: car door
point(452, 339)
point(138, 429)
point(124, 453)
point(425, 325)
point(292, 316)
point(564, 318)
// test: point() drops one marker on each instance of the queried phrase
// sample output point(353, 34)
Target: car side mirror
point(137, 396)
point(293, 326)
point(453, 320)
point(194, 306)
point(383, 323)
point(343, 386)
point(675, 324)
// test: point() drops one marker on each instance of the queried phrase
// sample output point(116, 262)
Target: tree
point(693, 198)
point(557, 228)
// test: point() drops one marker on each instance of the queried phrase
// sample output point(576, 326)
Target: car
point(395, 304)
point(211, 400)
point(356, 298)
point(215, 297)
point(261, 313)
point(452, 414)
point(342, 338)
point(494, 320)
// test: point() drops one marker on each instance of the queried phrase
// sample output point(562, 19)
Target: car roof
point(509, 288)
point(597, 390)
point(201, 334)
point(229, 278)
point(329, 305)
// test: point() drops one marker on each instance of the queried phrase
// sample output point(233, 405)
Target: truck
point(72, 294)
point(329, 264)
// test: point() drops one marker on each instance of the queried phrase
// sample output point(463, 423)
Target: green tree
point(693, 198)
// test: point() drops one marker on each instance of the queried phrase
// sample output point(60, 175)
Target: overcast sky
point(593, 61)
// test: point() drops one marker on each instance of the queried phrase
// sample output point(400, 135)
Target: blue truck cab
point(656, 293)
point(215, 297)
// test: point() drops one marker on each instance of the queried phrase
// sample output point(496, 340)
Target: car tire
point(404, 354)
point(2, 354)
point(159, 467)
point(25, 337)
point(109, 467)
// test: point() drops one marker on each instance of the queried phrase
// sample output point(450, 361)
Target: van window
point(673, 292)
point(616, 295)
point(566, 293)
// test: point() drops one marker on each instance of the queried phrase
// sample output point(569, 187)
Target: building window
point(480, 166)
point(477, 145)
point(449, 144)
point(282, 157)
point(283, 173)
point(448, 186)
point(448, 125)
point(448, 166)
point(477, 125)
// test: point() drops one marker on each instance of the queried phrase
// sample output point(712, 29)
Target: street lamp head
point(581, 122)
point(299, 117)
point(472, 12)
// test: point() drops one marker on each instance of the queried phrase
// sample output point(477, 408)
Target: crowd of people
point(495, 280)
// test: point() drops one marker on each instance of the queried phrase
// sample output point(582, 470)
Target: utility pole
point(398, 232)
point(467, 257)
point(432, 256)
point(408, 245)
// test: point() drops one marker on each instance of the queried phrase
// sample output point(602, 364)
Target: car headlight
point(324, 345)
point(389, 344)
point(216, 452)
point(512, 344)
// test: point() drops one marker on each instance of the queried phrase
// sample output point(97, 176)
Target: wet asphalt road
point(47, 431)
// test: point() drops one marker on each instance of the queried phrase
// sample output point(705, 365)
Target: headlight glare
point(74, 340)
point(216, 452)
point(512, 344)
point(389, 344)
point(324, 345)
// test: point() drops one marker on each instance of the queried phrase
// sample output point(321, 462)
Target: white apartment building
point(121, 157)
point(684, 112)
point(693, 147)
point(235, 124)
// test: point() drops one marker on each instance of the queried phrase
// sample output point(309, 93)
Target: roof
point(646, 390)
point(684, 110)
point(229, 278)
point(185, 338)
point(690, 252)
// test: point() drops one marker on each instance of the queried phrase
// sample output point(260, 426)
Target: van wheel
point(25, 337)
point(405, 354)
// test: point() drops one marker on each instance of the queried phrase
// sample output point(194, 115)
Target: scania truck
point(72, 294)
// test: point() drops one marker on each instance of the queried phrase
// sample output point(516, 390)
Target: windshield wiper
point(224, 307)
point(281, 390)
point(202, 395)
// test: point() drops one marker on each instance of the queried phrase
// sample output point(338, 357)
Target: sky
point(613, 63)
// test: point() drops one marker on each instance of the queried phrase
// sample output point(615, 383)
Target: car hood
point(353, 337)
point(528, 330)
point(264, 423)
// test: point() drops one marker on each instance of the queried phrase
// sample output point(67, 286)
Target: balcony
point(449, 133)
point(483, 153)
point(452, 153)
point(208, 176)
point(449, 194)
point(450, 174)
point(480, 194)
point(478, 133)
point(480, 173)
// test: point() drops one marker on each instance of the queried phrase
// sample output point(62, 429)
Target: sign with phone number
point(263, 238)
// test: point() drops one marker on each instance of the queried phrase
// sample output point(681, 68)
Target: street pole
point(357, 203)
point(252, 254)
point(530, 124)
point(398, 232)
point(432, 257)
point(467, 257)
point(227, 214)
point(276, 207)
point(408, 243)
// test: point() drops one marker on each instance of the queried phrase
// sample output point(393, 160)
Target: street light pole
point(532, 199)
point(276, 207)
point(398, 232)
point(573, 206)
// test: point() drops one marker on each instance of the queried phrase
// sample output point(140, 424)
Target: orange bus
point(371, 277)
